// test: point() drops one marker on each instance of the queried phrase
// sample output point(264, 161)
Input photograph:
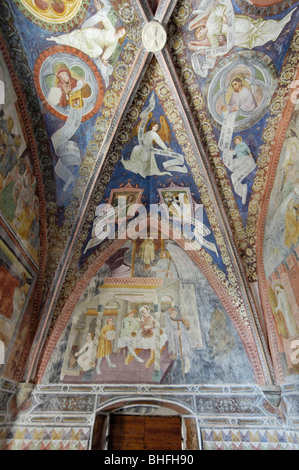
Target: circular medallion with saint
point(66, 80)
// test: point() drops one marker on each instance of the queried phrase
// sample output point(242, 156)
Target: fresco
point(234, 60)
point(142, 159)
point(142, 319)
point(17, 279)
point(80, 61)
point(217, 29)
point(154, 158)
point(19, 203)
point(111, 223)
point(72, 90)
point(281, 246)
point(80, 69)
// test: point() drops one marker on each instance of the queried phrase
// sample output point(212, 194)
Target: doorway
point(131, 432)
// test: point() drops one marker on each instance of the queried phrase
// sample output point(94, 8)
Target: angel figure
point(142, 160)
point(98, 43)
point(218, 29)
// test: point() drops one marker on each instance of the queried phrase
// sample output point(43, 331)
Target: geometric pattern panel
point(249, 439)
point(68, 438)
point(44, 438)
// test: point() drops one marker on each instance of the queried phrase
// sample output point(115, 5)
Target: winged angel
point(142, 160)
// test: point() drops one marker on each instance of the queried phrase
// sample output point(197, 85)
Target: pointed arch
point(245, 333)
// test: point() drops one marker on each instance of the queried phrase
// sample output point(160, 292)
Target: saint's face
point(120, 33)
point(64, 77)
point(237, 86)
point(173, 313)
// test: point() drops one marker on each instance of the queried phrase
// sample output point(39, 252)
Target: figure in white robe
point(143, 157)
point(84, 356)
point(164, 268)
point(223, 30)
point(98, 44)
point(284, 308)
point(147, 252)
point(179, 343)
point(129, 330)
point(242, 97)
point(241, 166)
point(142, 160)
point(2, 352)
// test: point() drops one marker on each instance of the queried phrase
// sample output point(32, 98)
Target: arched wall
point(243, 330)
point(263, 286)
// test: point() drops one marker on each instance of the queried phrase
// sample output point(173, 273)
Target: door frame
point(122, 405)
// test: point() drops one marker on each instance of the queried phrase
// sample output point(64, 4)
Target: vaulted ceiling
point(162, 69)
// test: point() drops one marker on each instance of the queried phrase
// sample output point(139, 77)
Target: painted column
point(98, 328)
point(157, 364)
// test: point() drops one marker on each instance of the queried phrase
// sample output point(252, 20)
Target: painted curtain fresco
point(149, 315)
point(281, 248)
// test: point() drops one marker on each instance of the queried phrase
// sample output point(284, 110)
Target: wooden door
point(163, 433)
point(145, 433)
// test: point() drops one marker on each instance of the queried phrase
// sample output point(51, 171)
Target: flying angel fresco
point(99, 44)
point(143, 157)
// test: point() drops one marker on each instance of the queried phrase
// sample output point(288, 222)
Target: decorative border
point(54, 27)
point(254, 10)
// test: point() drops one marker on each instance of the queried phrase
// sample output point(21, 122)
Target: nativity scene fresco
point(149, 316)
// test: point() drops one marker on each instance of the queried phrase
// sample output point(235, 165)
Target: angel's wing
point(135, 130)
point(165, 132)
